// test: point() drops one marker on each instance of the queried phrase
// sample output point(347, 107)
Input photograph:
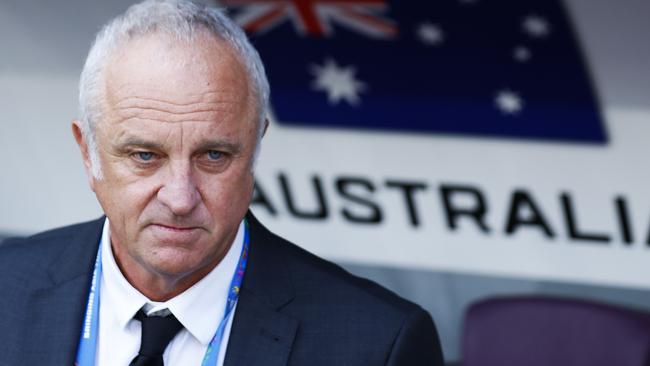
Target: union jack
point(315, 17)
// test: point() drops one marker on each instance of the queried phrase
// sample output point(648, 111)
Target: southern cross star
point(509, 102)
point(338, 82)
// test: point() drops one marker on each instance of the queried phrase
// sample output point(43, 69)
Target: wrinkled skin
point(176, 141)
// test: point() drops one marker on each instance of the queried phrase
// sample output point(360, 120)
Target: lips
point(175, 234)
point(175, 228)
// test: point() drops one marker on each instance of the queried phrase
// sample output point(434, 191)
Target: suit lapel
point(56, 309)
point(261, 335)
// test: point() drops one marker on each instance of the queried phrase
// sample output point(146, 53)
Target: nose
point(179, 191)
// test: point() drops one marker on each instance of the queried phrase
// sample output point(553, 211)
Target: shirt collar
point(200, 308)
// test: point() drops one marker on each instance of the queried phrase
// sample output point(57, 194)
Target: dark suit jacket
point(294, 308)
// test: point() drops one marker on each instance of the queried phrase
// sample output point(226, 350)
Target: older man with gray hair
point(173, 102)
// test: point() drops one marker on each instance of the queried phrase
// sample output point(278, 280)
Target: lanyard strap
point(212, 353)
point(88, 341)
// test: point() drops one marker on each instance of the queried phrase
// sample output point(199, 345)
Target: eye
point(214, 154)
point(214, 161)
point(144, 155)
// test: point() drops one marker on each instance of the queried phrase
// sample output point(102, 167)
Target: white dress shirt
point(200, 309)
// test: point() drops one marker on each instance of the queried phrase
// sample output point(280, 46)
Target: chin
point(173, 260)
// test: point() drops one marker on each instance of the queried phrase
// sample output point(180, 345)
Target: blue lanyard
point(88, 341)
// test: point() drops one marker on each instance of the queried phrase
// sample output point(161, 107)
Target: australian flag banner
point(506, 68)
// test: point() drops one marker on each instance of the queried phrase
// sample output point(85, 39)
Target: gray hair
point(178, 18)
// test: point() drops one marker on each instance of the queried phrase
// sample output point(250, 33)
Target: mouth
point(175, 228)
point(175, 234)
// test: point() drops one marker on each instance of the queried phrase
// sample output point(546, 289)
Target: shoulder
point(322, 280)
point(361, 317)
point(330, 282)
point(28, 254)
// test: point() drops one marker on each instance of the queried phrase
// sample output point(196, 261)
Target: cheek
point(228, 196)
point(124, 200)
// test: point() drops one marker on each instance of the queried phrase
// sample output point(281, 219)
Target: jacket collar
point(261, 334)
point(269, 275)
point(56, 309)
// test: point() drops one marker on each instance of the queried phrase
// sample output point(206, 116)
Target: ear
point(85, 155)
point(266, 126)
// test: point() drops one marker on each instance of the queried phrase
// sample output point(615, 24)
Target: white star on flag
point(430, 34)
point(522, 54)
point(536, 26)
point(339, 83)
point(509, 102)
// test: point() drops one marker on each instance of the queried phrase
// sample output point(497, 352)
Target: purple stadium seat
point(544, 331)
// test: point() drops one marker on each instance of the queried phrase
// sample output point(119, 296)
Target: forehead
point(159, 78)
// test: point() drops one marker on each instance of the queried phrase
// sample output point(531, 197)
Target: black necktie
point(157, 332)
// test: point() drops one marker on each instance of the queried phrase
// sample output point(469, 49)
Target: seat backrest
point(545, 331)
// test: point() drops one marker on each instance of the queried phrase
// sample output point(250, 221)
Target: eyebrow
point(138, 142)
point(220, 145)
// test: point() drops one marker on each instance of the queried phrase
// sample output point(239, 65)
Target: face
point(176, 142)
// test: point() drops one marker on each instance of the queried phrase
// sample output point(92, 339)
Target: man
point(173, 102)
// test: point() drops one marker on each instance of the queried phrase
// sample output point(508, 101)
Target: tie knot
point(157, 332)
